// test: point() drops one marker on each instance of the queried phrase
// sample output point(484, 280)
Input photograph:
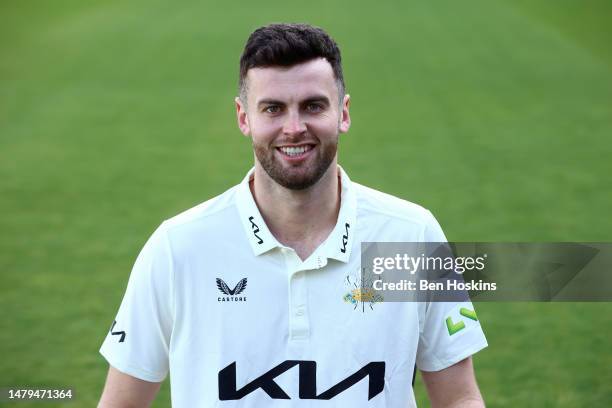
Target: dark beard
point(303, 179)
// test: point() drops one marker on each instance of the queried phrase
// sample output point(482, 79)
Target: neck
point(299, 219)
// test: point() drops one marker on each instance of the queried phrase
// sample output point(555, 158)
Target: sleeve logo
point(117, 333)
point(460, 325)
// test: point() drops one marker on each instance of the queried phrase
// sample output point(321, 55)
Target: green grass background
point(496, 115)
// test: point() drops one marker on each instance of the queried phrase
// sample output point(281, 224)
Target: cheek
point(327, 124)
point(263, 130)
point(330, 118)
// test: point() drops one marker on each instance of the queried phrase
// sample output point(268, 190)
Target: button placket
point(299, 324)
point(298, 313)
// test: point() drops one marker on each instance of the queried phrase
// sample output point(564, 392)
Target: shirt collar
point(338, 244)
point(257, 231)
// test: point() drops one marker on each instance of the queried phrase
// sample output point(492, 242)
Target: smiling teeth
point(294, 151)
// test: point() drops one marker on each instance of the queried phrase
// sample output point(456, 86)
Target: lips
point(294, 153)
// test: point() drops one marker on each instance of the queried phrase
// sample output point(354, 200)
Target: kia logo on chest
point(231, 295)
point(228, 389)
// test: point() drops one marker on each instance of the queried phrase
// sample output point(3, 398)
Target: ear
point(345, 117)
point(241, 116)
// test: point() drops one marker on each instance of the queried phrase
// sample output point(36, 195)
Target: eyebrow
point(269, 102)
point(315, 98)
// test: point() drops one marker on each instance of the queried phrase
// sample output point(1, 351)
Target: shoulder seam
point(401, 216)
point(397, 202)
point(173, 222)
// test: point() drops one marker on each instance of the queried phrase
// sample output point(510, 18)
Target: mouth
point(295, 153)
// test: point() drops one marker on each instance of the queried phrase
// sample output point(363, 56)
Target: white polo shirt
point(240, 321)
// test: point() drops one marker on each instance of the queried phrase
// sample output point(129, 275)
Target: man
point(243, 298)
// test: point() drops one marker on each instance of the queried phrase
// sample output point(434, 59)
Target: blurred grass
point(114, 116)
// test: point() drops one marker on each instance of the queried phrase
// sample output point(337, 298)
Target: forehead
point(292, 83)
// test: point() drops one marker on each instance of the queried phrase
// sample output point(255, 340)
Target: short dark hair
point(286, 45)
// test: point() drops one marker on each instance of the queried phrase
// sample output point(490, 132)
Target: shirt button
point(300, 312)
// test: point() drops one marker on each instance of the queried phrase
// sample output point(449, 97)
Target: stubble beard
point(298, 177)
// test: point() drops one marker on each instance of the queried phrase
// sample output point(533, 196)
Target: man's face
point(293, 117)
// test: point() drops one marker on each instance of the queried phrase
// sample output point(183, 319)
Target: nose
point(294, 124)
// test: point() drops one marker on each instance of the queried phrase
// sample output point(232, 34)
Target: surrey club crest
point(360, 293)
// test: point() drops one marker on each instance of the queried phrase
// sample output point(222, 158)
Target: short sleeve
point(138, 341)
point(449, 331)
point(433, 232)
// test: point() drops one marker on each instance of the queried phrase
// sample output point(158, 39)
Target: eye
point(314, 107)
point(272, 109)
